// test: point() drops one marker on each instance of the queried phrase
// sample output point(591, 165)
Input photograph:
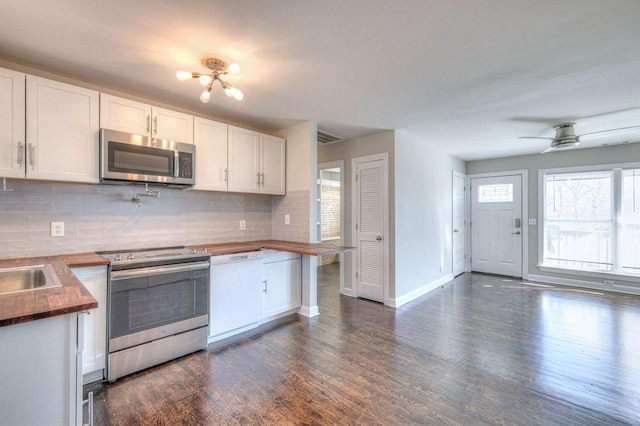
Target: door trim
point(467, 266)
point(340, 165)
point(524, 176)
point(385, 220)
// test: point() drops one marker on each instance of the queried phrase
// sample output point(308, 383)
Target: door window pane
point(499, 193)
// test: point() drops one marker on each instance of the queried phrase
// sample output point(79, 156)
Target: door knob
point(378, 238)
point(516, 233)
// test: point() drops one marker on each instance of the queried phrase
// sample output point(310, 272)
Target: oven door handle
point(157, 270)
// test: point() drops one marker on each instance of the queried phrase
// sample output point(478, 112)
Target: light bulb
point(183, 75)
point(228, 91)
point(206, 95)
point(205, 79)
point(237, 94)
point(233, 68)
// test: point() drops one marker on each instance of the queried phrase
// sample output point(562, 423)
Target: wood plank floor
point(480, 350)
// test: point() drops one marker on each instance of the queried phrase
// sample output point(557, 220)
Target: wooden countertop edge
point(310, 249)
point(82, 260)
point(71, 297)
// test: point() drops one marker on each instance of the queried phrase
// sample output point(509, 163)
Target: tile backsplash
point(102, 217)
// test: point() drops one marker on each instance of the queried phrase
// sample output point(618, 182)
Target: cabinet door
point(95, 325)
point(62, 131)
point(11, 123)
point(282, 287)
point(125, 115)
point(243, 160)
point(210, 138)
point(272, 165)
point(172, 125)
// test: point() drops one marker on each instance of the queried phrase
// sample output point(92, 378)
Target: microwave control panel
point(185, 164)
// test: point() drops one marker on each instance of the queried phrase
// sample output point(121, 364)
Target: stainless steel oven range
point(157, 308)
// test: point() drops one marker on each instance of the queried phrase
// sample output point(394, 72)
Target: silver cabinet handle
point(155, 125)
point(20, 153)
point(148, 123)
point(262, 174)
point(516, 233)
point(258, 175)
point(226, 175)
point(455, 230)
point(379, 238)
point(31, 160)
point(264, 290)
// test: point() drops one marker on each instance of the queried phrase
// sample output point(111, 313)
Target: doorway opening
point(331, 221)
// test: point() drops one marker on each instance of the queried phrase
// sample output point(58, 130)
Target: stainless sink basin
point(27, 278)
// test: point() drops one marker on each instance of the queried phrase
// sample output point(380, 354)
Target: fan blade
point(547, 150)
point(610, 130)
point(534, 137)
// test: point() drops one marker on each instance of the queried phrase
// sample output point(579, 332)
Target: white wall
point(300, 201)
point(423, 216)
point(533, 163)
point(347, 150)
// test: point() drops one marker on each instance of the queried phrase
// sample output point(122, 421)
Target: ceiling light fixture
point(218, 68)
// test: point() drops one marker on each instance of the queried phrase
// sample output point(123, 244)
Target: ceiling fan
point(566, 137)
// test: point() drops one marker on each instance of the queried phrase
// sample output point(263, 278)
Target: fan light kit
point(218, 68)
point(566, 137)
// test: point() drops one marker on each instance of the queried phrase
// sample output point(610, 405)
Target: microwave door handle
point(176, 164)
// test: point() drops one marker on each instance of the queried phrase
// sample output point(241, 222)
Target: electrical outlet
point(608, 282)
point(57, 229)
point(287, 219)
point(243, 225)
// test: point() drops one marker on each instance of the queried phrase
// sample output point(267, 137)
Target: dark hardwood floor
point(480, 350)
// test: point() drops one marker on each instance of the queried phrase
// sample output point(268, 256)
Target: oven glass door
point(152, 298)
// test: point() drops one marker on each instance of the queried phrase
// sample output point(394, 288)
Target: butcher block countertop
point(31, 305)
point(310, 249)
point(72, 296)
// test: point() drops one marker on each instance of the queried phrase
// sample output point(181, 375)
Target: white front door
point(458, 237)
point(496, 225)
point(370, 212)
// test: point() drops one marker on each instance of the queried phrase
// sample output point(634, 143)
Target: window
point(499, 193)
point(591, 220)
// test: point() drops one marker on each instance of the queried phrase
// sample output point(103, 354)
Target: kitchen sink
point(27, 278)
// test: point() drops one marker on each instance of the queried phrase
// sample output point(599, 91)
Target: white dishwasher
point(235, 303)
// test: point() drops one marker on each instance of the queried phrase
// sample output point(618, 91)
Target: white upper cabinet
point(244, 161)
point(210, 138)
point(125, 115)
point(272, 169)
point(12, 139)
point(256, 162)
point(142, 119)
point(172, 125)
point(62, 131)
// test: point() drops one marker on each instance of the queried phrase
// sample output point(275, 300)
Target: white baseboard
point(585, 284)
point(309, 311)
point(347, 292)
point(412, 295)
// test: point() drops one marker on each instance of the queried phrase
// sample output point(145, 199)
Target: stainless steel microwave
point(129, 158)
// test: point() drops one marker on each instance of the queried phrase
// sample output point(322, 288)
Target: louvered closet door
point(370, 230)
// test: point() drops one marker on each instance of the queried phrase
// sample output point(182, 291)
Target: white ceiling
point(466, 76)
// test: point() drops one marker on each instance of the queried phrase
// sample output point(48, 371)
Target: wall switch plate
point(57, 229)
point(287, 219)
point(533, 221)
point(243, 225)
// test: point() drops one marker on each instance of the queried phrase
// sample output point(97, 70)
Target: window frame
point(616, 169)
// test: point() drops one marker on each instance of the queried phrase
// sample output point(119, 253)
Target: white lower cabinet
point(282, 284)
point(40, 379)
point(94, 278)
